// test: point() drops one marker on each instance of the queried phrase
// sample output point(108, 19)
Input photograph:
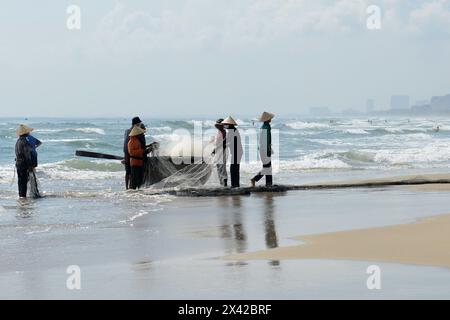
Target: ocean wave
point(90, 165)
point(98, 131)
point(358, 156)
point(307, 125)
point(356, 131)
point(91, 130)
point(161, 129)
point(311, 162)
point(65, 140)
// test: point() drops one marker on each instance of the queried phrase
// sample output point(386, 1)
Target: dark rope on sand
point(217, 192)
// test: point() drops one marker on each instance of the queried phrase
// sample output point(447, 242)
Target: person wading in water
point(26, 158)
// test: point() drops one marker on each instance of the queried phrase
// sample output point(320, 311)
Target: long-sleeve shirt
point(220, 147)
point(136, 150)
point(265, 140)
point(35, 143)
point(26, 157)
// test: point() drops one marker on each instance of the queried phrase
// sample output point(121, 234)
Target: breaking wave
point(307, 125)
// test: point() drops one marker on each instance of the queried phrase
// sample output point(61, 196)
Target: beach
point(300, 244)
point(208, 246)
point(423, 243)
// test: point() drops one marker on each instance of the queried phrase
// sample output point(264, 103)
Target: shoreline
point(424, 242)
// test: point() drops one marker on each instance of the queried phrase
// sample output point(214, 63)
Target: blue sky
point(189, 58)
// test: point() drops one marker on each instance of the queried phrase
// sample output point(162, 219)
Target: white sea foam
point(356, 131)
point(91, 130)
point(307, 125)
point(172, 137)
point(203, 123)
point(82, 130)
point(65, 140)
point(161, 129)
point(45, 230)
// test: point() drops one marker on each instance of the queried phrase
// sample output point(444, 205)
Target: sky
point(193, 58)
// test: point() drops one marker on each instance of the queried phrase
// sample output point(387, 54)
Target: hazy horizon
point(199, 58)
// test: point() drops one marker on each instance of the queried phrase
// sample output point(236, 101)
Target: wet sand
point(426, 242)
point(131, 248)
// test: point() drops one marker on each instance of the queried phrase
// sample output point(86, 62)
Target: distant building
point(399, 103)
point(440, 104)
point(370, 105)
point(320, 111)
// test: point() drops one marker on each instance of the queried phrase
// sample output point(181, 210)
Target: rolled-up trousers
point(266, 171)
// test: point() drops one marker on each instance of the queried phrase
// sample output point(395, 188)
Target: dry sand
point(426, 242)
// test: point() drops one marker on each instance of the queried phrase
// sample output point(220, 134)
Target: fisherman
point(137, 155)
point(136, 121)
point(26, 157)
point(220, 153)
point(234, 144)
point(265, 150)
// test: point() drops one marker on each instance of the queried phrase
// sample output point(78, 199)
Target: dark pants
point(137, 177)
point(266, 171)
point(22, 179)
point(127, 170)
point(235, 175)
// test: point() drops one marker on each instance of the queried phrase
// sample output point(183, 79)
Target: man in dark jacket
point(26, 159)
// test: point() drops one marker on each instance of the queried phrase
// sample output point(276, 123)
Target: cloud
point(431, 16)
point(209, 25)
point(199, 24)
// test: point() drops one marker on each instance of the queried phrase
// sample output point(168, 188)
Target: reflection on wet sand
point(234, 228)
point(270, 227)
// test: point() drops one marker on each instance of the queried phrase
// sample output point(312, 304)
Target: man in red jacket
point(137, 152)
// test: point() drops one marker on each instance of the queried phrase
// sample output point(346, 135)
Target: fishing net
point(33, 185)
point(176, 171)
point(163, 173)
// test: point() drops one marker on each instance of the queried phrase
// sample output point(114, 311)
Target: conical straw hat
point(137, 131)
point(23, 129)
point(266, 116)
point(229, 121)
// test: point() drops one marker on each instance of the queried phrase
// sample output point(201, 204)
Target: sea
point(307, 150)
